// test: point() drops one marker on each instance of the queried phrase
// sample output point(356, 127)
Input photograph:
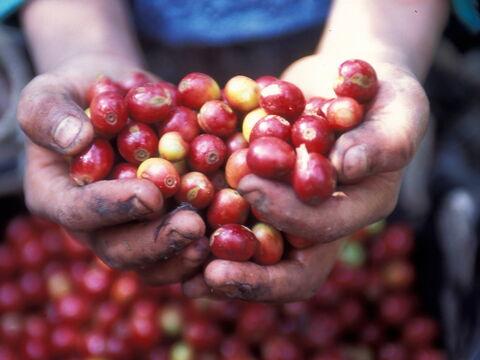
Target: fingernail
point(355, 162)
point(197, 252)
point(67, 131)
point(140, 207)
point(256, 198)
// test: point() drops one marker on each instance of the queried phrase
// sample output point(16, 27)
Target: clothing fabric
point(469, 12)
point(8, 7)
point(221, 22)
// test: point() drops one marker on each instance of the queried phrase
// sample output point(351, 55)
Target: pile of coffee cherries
point(195, 142)
point(57, 301)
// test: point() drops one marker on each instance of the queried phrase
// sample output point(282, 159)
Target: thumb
point(390, 135)
point(49, 113)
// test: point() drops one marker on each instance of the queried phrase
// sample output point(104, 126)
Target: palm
point(369, 161)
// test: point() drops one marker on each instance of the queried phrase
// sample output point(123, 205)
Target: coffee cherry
point(270, 158)
point(233, 242)
point(8, 261)
point(173, 147)
point(242, 93)
point(134, 80)
point(33, 287)
point(96, 282)
point(227, 207)
point(35, 349)
point(282, 98)
point(392, 351)
point(255, 322)
point(298, 242)
point(398, 275)
point(171, 89)
point(236, 142)
point(108, 113)
point(356, 79)
point(344, 114)
point(103, 84)
point(270, 244)
point(93, 164)
point(124, 171)
point(314, 106)
point(73, 309)
point(137, 142)
point(236, 168)
point(195, 189)
point(144, 331)
point(420, 331)
point(125, 288)
point(217, 118)
point(250, 120)
point(313, 178)
point(207, 153)
point(396, 309)
point(271, 125)
point(183, 120)
point(314, 132)
point(196, 89)
point(280, 347)
point(11, 298)
point(264, 81)
point(162, 173)
point(150, 103)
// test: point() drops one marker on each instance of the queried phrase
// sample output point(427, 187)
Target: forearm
point(403, 32)
point(59, 30)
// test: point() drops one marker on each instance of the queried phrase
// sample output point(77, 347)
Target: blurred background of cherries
point(57, 301)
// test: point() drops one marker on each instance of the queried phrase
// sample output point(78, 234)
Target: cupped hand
point(369, 161)
point(122, 221)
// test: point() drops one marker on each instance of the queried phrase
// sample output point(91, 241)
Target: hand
point(369, 161)
point(122, 221)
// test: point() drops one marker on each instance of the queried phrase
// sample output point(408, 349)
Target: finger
point(49, 191)
point(347, 210)
point(139, 245)
point(391, 133)
point(178, 268)
point(196, 287)
point(49, 113)
point(294, 279)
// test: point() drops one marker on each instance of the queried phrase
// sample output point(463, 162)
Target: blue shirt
point(220, 22)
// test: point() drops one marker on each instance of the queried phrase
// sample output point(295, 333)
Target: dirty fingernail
point(67, 131)
point(355, 162)
point(256, 198)
point(140, 207)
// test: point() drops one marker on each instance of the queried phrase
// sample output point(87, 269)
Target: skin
point(123, 222)
point(369, 159)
